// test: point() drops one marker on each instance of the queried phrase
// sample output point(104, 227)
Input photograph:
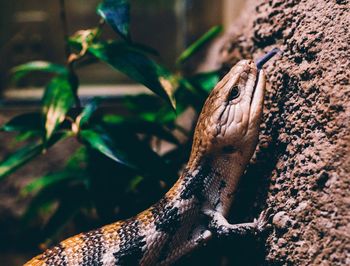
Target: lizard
point(196, 207)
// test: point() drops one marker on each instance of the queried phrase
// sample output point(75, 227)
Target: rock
point(306, 126)
point(281, 220)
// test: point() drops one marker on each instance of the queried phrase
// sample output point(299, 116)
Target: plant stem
point(68, 52)
point(64, 24)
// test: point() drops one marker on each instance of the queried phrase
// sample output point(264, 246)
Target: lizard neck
point(211, 182)
point(226, 173)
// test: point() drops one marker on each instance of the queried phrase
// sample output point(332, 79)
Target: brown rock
point(304, 160)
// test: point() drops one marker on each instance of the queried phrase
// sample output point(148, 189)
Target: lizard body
point(194, 209)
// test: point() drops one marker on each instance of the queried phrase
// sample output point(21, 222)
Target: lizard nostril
point(234, 93)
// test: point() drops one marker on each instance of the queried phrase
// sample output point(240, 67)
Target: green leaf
point(197, 45)
point(45, 181)
point(19, 158)
point(23, 155)
point(88, 111)
point(83, 39)
point(20, 71)
point(117, 14)
point(57, 101)
point(24, 122)
point(100, 141)
point(143, 103)
point(138, 67)
point(144, 48)
point(137, 150)
point(137, 125)
point(23, 136)
point(77, 160)
point(149, 108)
point(205, 81)
point(113, 119)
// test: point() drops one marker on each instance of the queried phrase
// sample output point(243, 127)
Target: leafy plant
point(116, 167)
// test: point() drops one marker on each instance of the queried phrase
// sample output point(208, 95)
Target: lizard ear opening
point(234, 93)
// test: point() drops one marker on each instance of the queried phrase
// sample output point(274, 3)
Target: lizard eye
point(234, 93)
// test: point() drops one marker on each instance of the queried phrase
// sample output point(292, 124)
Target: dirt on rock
point(302, 166)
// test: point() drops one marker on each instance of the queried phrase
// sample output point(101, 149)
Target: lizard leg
point(221, 227)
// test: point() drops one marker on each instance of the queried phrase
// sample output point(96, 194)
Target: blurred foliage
point(115, 172)
point(214, 31)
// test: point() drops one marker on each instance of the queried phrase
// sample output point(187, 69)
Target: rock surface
point(302, 166)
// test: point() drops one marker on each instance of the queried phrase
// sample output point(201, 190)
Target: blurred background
point(32, 30)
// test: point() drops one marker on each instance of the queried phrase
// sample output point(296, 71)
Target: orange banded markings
point(73, 249)
point(110, 236)
point(36, 261)
point(174, 191)
point(146, 217)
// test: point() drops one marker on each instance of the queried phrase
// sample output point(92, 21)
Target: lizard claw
point(263, 222)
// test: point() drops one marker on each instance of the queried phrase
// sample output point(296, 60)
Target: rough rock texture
point(302, 167)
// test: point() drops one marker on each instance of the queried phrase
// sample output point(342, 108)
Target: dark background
point(31, 30)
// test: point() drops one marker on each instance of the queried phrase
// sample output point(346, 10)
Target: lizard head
point(230, 118)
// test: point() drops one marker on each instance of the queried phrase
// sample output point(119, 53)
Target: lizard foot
point(263, 223)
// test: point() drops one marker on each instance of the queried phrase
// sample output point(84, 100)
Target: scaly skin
point(194, 209)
